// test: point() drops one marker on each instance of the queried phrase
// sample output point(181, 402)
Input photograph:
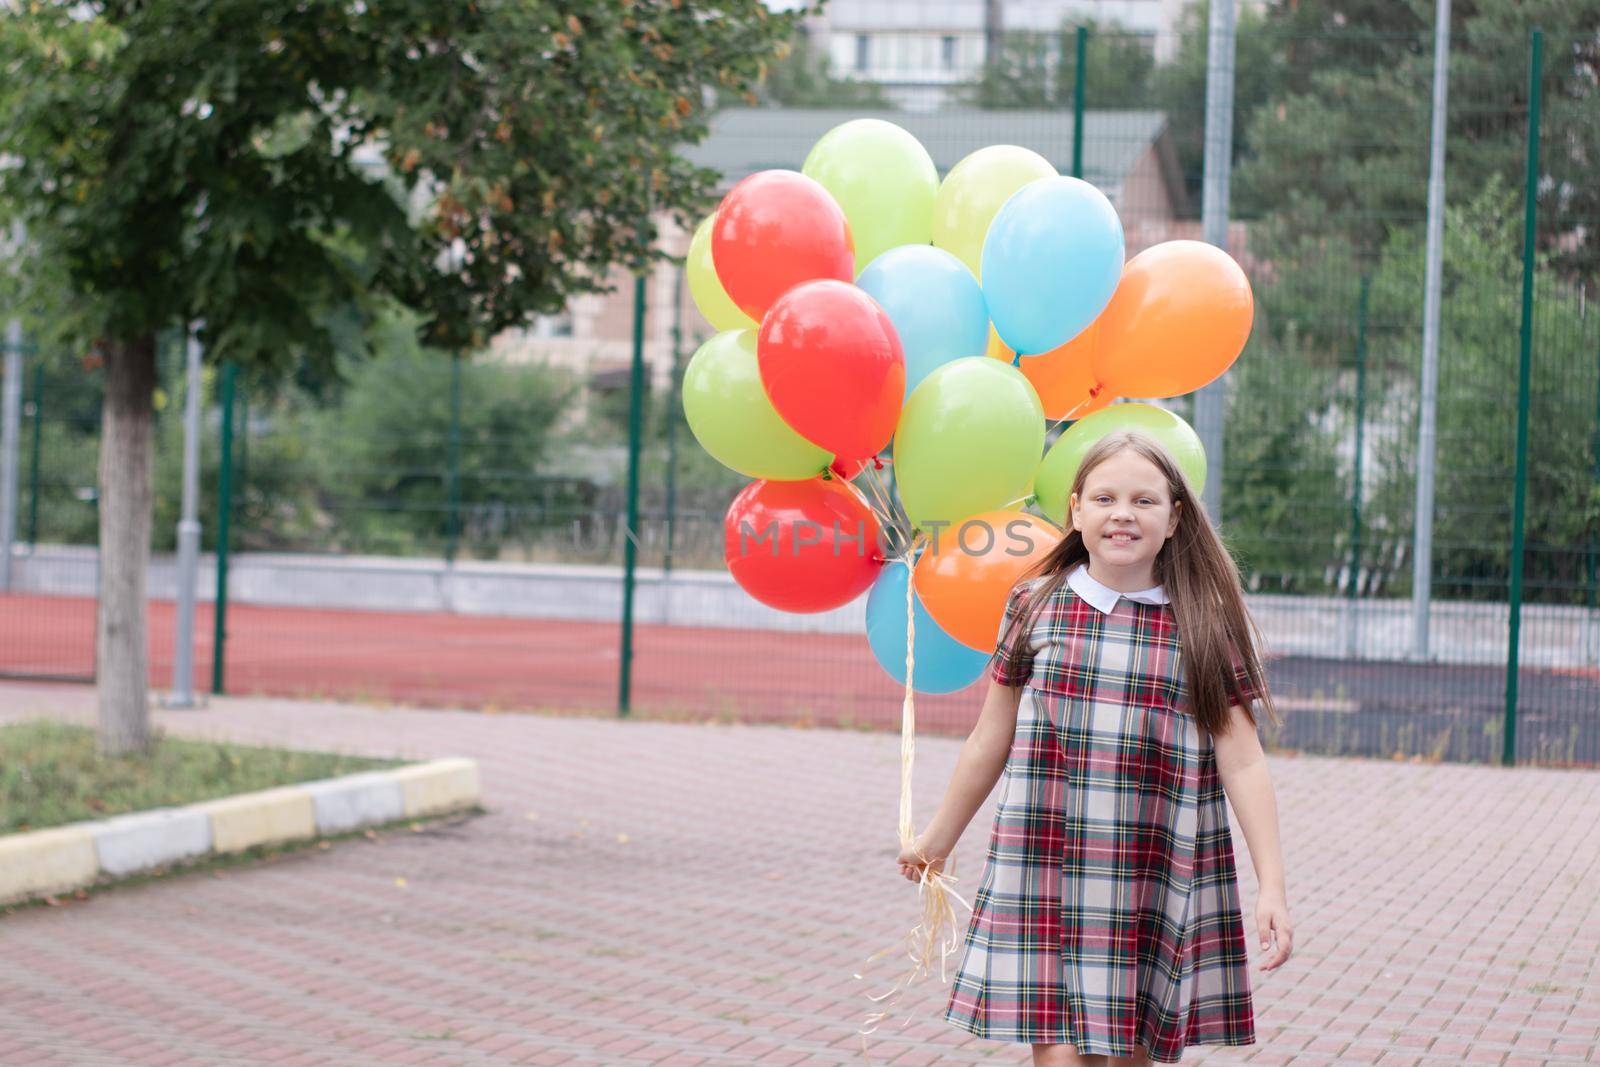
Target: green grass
point(50, 774)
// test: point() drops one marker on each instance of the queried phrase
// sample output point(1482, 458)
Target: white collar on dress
point(1103, 597)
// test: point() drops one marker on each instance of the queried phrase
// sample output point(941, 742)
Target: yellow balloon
point(974, 190)
point(883, 179)
point(706, 288)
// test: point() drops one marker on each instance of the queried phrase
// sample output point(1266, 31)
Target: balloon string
point(897, 520)
point(908, 712)
point(885, 514)
point(940, 931)
point(1070, 416)
point(885, 511)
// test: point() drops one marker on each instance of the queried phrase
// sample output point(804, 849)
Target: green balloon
point(968, 441)
point(1053, 482)
point(883, 179)
point(706, 288)
point(732, 418)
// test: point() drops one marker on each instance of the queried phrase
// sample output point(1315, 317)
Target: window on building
point(553, 325)
point(947, 52)
point(863, 51)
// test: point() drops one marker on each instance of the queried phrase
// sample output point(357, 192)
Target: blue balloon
point(943, 664)
point(1051, 260)
point(935, 303)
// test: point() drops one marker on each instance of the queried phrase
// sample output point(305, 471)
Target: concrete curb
point(63, 858)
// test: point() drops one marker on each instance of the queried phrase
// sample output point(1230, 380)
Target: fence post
point(10, 430)
point(243, 427)
point(1594, 549)
point(1351, 640)
point(630, 544)
point(1210, 402)
point(1077, 101)
point(674, 405)
point(33, 461)
point(453, 464)
point(1530, 216)
point(219, 631)
point(188, 529)
point(1428, 384)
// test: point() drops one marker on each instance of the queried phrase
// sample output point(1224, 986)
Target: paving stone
point(702, 894)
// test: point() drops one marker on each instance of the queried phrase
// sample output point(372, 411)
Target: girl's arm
point(983, 758)
point(1242, 766)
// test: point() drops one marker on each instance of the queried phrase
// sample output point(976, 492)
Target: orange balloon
point(1179, 318)
point(1063, 377)
point(964, 579)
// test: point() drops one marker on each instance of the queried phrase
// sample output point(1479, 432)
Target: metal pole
point(630, 544)
point(182, 695)
point(1422, 550)
point(33, 463)
point(1352, 641)
point(1594, 549)
point(243, 480)
point(1530, 216)
point(1524, 375)
point(1077, 102)
point(453, 465)
point(673, 406)
point(224, 506)
point(10, 431)
point(1209, 401)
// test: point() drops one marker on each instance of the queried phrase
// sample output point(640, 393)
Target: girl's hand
point(1272, 915)
point(922, 853)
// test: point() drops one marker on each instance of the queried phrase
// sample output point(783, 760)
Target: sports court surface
point(706, 673)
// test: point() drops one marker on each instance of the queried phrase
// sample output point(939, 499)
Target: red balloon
point(832, 366)
point(774, 230)
point(802, 546)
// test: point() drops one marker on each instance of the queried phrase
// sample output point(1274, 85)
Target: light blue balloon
point(935, 303)
point(1051, 260)
point(943, 664)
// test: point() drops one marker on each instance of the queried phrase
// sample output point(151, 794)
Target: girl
point(1106, 928)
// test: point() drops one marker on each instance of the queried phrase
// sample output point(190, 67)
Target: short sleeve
point(1007, 639)
point(1241, 690)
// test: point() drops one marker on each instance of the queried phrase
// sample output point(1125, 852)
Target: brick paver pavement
point(653, 893)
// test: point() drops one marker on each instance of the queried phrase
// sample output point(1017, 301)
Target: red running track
point(436, 659)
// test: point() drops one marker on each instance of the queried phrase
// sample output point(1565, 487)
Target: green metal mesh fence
point(452, 531)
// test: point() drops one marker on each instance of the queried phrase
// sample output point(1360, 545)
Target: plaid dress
point(1108, 912)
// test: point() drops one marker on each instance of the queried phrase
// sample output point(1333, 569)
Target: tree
point(1285, 500)
point(1477, 405)
point(276, 476)
point(1178, 87)
point(1040, 70)
point(384, 450)
point(1342, 136)
point(266, 168)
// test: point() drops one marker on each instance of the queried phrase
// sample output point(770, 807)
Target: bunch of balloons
point(866, 307)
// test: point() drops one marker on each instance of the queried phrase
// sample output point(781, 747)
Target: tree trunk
point(121, 644)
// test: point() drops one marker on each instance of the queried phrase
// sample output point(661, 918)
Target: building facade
point(920, 50)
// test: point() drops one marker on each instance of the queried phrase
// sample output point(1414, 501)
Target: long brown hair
point(1198, 575)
